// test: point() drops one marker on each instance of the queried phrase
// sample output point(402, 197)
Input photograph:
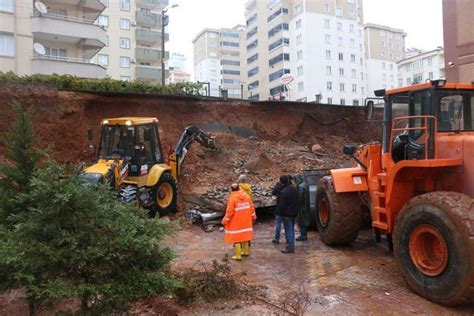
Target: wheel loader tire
point(434, 246)
point(338, 215)
point(164, 195)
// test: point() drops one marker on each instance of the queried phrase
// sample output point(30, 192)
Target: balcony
point(91, 9)
point(152, 4)
point(147, 73)
point(83, 68)
point(149, 54)
point(70, 30)
point(149, 36)
point(149, 19)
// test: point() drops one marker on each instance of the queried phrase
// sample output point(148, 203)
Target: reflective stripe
point(253, 214)
point(239, 231)
point(225, 219)
point(242, 206)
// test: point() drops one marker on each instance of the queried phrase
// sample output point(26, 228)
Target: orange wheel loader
point(418, 185)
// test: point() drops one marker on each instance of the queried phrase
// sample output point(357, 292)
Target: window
point(252, 59)
point(230, 34)
point(125, 24)
point(327, 39)
point(354, 88)
point(213, 54)
point(124, 62)
point(327, 23)
point(278, 43)
point(382, 32)
point(300, 86)
point(351, 13)
point(253, 85)
point(104, 20)
point(430, 75)
point(298, 24)
point(299, 39)
point(340, 41)
point(408, 81)
point(7, 45)
point(328, 54)
point(341, 72)
point(326, 8)
point(252, 19)
point(400, 82)
point(341, 56)
point(231, 72)
point(277, 13)
point(125, 78)
point(329, 85)
point(351, 28)
point(278, 59)
point(251, 33)
point(56, 53)
point(362, 76)
point(300, 70)
point(231, 44)
point(278, 28)
point(341, 87)
point(339, 26)
point(124, 42)
point(298, 9)
point(430, 61)
point(353, 73)
point(103, 59)
point(328, 70)
point(278, 74)
point(362, 90)
point(343, 101)
point(252, 72)
point(230, 62)
point(329, 100)
point(338, 11)
point(391, 66)
point(355, 102)
point(6, 5)
point(212, 43)
point(353, 58)
point(125, 5)
point(299, 55)
point(353, 42)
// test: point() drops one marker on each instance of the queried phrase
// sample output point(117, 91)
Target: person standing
point(287, 209)
point(243, 185)
point(278, 221)
point(238, 221)
point(302, 190)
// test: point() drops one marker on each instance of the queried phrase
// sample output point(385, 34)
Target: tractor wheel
point(164, 195)
point(434, 246)
point(338, 215)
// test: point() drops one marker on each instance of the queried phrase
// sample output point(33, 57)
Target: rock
point(316, 147)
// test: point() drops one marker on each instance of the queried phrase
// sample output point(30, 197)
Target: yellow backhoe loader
point(131, 160)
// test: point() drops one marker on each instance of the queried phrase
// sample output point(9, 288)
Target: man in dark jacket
point(287, 209)
point(302, 189)
point(276, 192)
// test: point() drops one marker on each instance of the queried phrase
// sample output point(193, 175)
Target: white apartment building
point(134, 35)
point(64, 35)
point(320, 42)
point(177, 61)
point(219, 61)
point(421, 67)
point(176, 65)
point(384, 47)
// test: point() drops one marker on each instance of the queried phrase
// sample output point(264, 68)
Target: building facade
point(134, 35)
point(61, 39)
point(319, 42)
point(177, 65)
point(421, 67)
point(219, 61)
point(458, 16)
point(384, 47)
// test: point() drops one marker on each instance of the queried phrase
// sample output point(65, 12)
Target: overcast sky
point(422, 20)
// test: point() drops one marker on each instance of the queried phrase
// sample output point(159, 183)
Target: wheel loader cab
point(138, 144)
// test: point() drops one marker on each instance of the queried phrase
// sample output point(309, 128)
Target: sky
point(422, 20)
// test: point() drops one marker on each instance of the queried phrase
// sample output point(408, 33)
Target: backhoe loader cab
point(418, 185)
point(131, 160)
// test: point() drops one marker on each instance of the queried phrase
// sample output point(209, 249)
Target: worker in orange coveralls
point(238, 221)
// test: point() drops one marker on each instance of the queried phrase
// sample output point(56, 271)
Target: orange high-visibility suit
point(238, 219)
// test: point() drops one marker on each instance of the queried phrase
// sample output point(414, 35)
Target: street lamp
point(164, 23)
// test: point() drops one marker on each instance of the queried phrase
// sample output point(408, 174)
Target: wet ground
point(359, 279)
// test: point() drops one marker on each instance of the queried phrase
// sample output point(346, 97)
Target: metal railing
point(66, 59)
point(64, 17)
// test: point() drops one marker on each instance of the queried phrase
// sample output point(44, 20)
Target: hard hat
point(242, 178)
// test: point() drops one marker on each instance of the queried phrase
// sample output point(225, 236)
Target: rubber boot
point(238, 252)
point(245, 248)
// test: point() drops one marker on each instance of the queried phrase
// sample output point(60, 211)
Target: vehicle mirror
point(349, 149)
point(90, 134)
point(369, 109)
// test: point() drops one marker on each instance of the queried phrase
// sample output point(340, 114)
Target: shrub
point(80, 241)
point(67, 82)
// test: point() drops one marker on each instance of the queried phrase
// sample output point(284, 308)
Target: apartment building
point(64, 35)
point(134, 35)
point(384, 47)
point(458, 16)
point(421, 67)
point(177, 65)
point(319, 42)
point(219, 60)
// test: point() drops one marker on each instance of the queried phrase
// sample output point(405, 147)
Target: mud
point(359, 279)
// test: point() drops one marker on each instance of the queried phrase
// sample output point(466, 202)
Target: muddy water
point(359, 279)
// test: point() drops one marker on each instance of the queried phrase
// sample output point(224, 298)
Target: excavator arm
point(191, 133)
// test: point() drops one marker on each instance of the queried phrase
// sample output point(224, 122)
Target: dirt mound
point(262, 163)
